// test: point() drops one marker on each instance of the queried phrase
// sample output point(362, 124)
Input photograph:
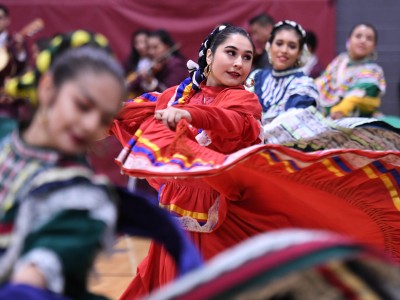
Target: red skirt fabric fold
point(267, 187)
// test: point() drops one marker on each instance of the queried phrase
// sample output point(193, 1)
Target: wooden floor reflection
point(113, 273)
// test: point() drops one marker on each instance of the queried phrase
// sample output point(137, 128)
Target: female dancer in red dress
point(210, 127)
point(223, 117)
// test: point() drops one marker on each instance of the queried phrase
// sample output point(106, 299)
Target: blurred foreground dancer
point(293, 264)
point(55, 213)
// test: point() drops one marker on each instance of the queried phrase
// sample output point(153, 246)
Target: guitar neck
point(32, 28)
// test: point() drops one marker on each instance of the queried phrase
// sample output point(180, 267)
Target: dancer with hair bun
point(223, 116)
point(56, 215)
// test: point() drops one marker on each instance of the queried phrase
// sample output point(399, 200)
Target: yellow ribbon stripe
point(4, 154)
point(348, 278)
point(149, 144)
point(328, 164)
point(160, 158)
point(370, 173)
point(186, 92)
point(138, 133)
point(185, 213)
point(17, 184)
point(288, 167)
point(388, 184)
point(268, 158)
point(271, 162)
point(392, 190)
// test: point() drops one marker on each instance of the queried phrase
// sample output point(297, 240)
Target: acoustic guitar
point(7, 67)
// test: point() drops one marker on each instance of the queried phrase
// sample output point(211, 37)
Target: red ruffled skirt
point(261, 188)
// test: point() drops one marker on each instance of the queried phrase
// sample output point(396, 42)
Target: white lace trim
point(193, 225)
point(49, 264)
point(203, 139)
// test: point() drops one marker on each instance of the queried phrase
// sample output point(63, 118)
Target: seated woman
point(284, 86)
point(353, 83)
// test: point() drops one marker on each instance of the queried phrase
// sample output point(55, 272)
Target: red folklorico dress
point(224, 186)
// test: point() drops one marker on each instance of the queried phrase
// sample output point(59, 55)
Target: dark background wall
point(385, 16)
point(190, 21)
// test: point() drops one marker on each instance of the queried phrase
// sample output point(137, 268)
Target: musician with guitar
point(14, 49)
point(167, 68)
point(14, 59)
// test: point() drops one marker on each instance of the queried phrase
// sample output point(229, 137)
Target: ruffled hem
point(361, 183)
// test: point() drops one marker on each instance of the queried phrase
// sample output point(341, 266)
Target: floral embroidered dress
point(57, 214)
point(279, 91)
point(54, 213)
point(351, 87)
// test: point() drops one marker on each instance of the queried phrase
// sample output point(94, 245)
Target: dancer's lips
point(234, 74)
point(77, 139)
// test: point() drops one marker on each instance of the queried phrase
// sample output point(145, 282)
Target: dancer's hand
point(171, 116)
point(29, 274)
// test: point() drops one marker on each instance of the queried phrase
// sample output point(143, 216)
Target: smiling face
point(231, 62)
point(285, 49)
point(80, 111)
point(362, 42)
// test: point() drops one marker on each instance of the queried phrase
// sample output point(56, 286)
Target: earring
point(249, 82)
point(267, 46)
point(207, 70)
point(269, 58)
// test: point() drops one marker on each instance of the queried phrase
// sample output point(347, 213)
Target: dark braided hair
point(219, 35)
